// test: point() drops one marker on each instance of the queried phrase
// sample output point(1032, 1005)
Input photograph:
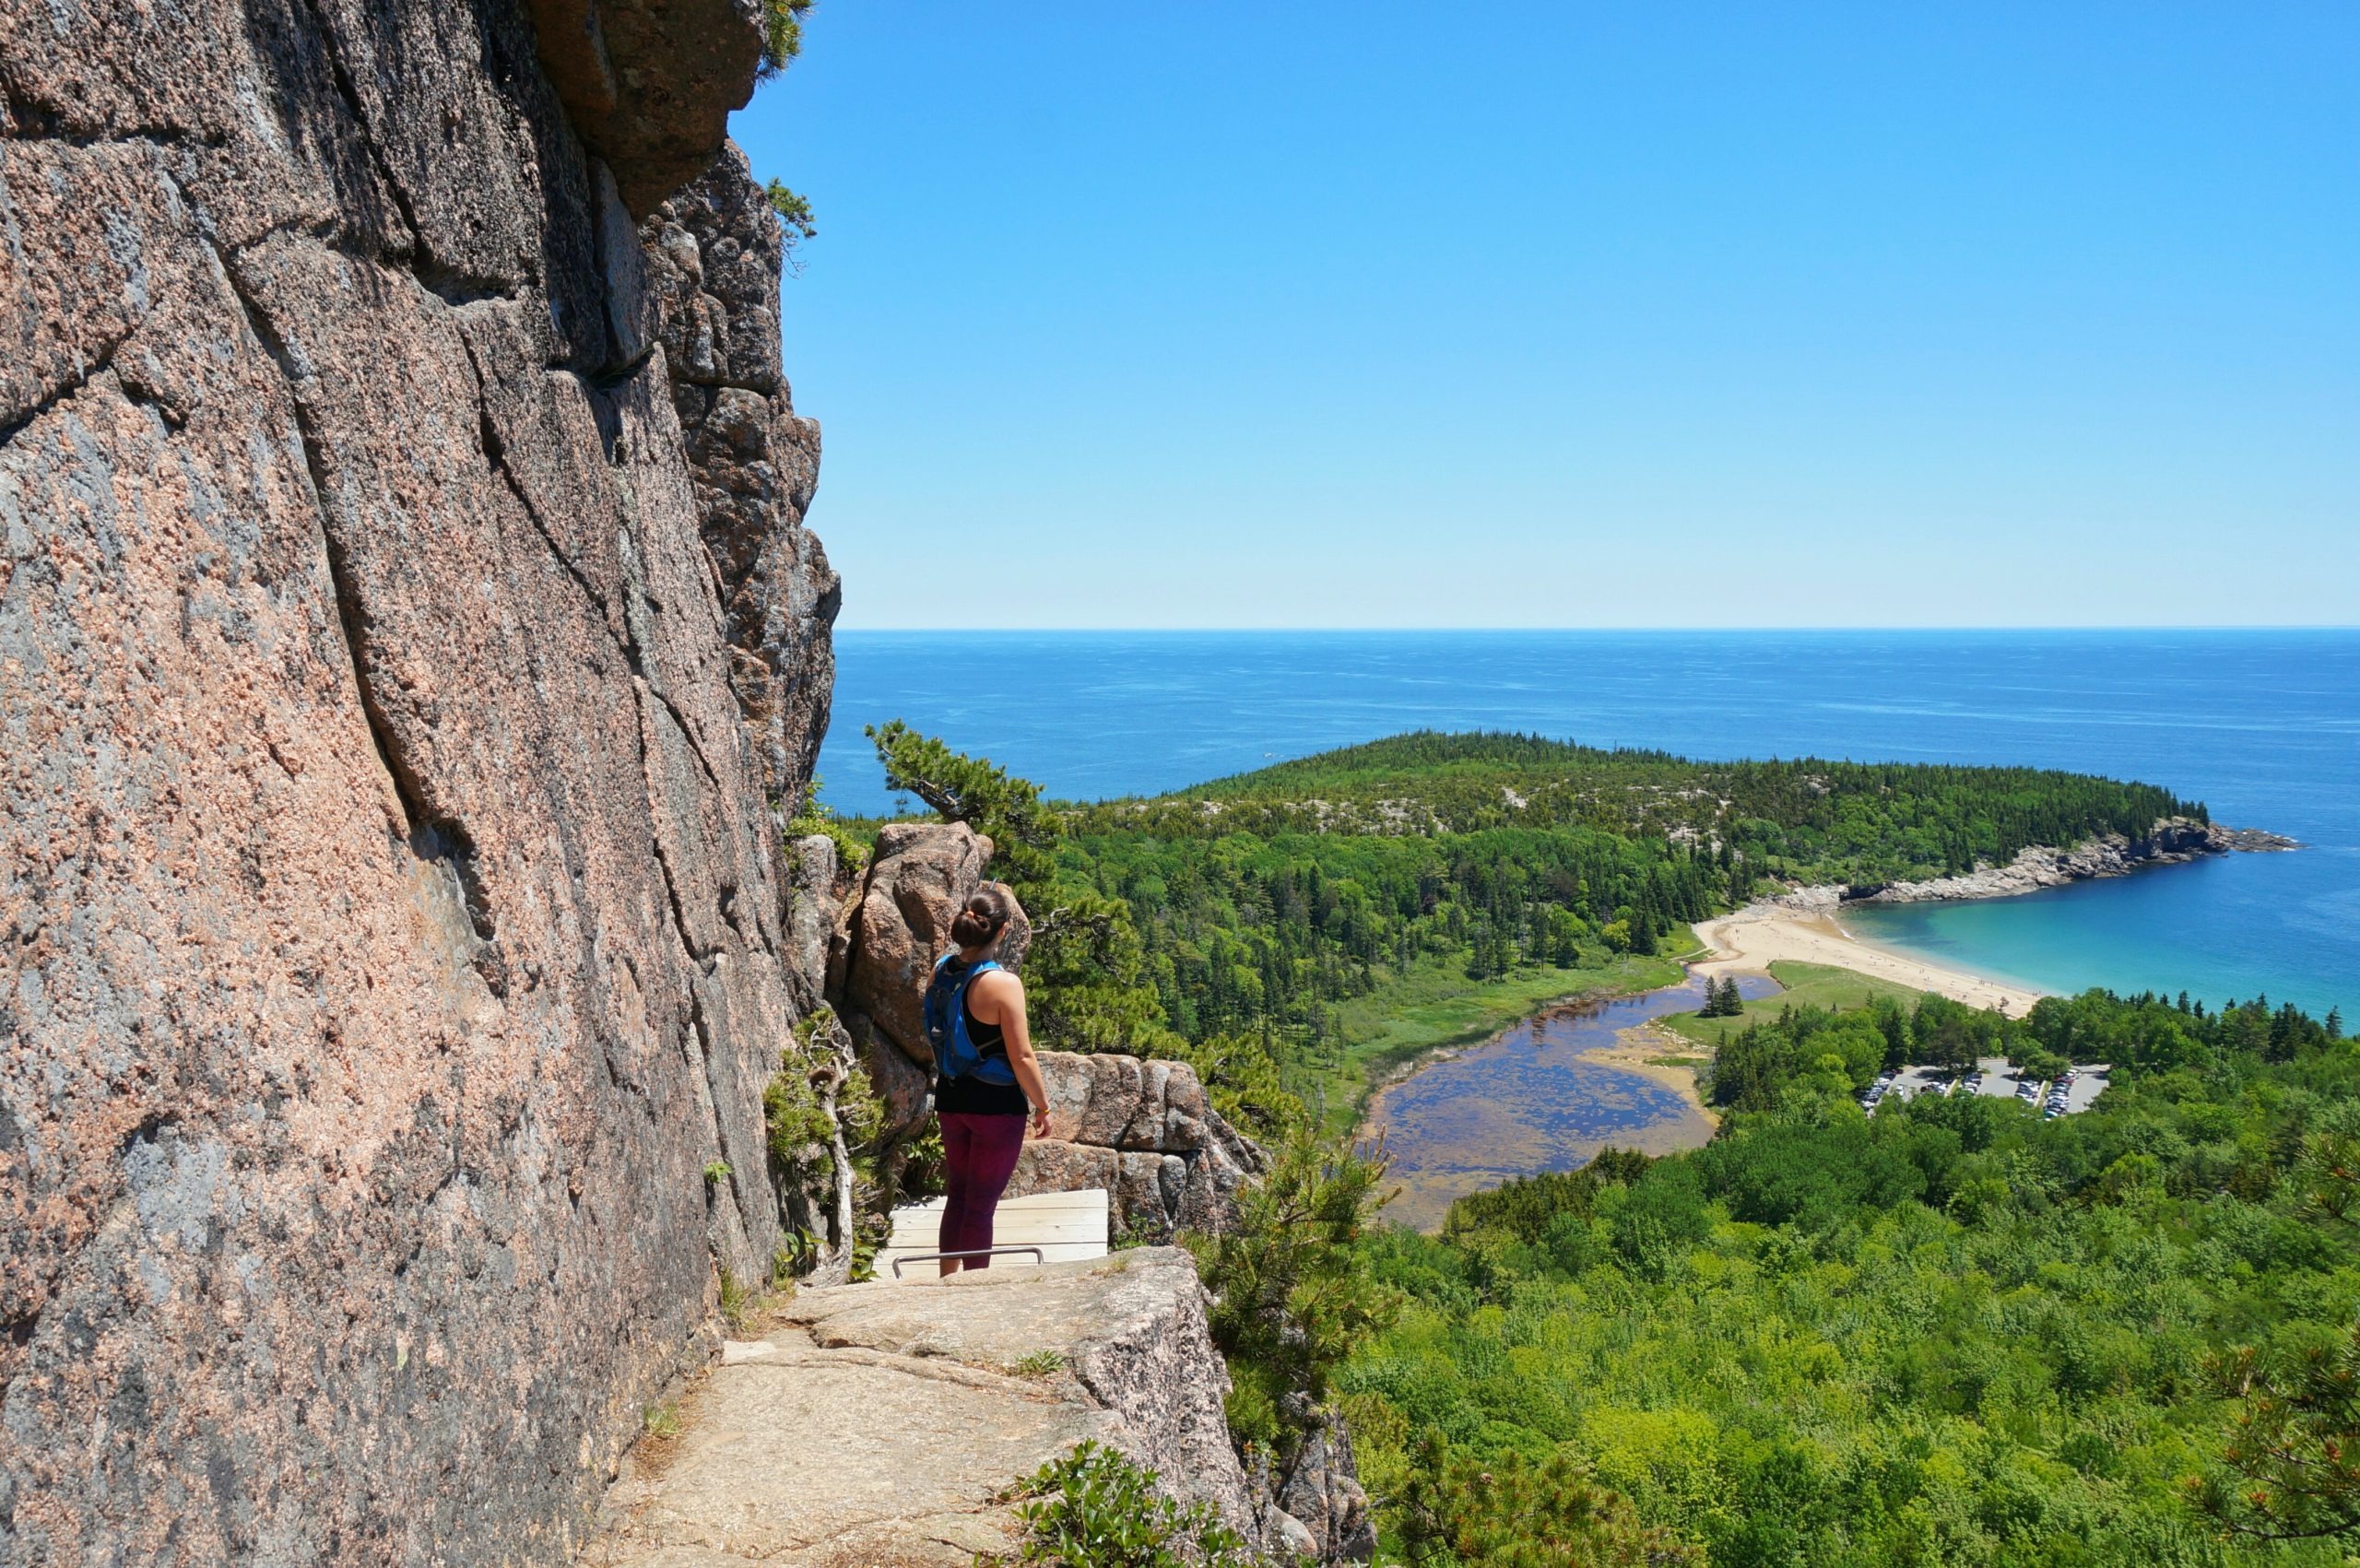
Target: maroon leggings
point(979, 1152)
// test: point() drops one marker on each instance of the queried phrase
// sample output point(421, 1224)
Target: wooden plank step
point(1067, 1226)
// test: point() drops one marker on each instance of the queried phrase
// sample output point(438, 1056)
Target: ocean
point(2264, 726)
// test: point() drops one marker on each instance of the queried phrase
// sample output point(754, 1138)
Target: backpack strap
point(956, 1055)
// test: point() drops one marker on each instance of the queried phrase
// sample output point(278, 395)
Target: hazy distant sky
point(1301, 314)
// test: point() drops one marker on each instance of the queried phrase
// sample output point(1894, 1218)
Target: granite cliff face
point(407, 641)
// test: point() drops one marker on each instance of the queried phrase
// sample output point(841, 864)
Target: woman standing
point(986, 1078)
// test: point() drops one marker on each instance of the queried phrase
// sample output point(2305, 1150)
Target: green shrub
point(1293, 1303)
point(1511, 1512)
point(794, 1112)
point(1095, 1508)
point(739, 1303)
point(852, 850)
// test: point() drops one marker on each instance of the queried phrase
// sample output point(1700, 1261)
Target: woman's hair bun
point(986, 912)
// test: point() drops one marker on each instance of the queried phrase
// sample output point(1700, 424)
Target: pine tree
point(1721, 999)
point(2335, 1023)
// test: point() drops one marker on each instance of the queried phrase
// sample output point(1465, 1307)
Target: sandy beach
point(1759, 935)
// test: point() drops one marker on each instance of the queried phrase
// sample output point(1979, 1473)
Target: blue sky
point(1573, 314)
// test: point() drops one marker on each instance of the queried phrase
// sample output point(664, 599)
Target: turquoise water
point(2262, 725)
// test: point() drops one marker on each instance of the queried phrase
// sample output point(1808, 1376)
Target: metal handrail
point(971, 1251)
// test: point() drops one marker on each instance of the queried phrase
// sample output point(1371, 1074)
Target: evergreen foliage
point(1511, 1512)
point(794, 220)
point(959, 788)
point(1289, 1304)
point(1809, 819)
point(1721, 999)
point(782, 35)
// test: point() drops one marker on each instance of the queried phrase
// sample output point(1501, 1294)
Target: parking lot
point(2072, 1092)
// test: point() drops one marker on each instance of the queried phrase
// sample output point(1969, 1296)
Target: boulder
point(907, 1088)
point(649, 84)
point(920, 875)
point(1050, 1164)
point(1015, 944)
point(812, 908)
point(1125, 1101)
point(1144, 1130)
point(1209, 1200)
point(1322, 1492)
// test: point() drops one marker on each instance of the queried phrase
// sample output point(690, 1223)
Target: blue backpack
point(955, 1054)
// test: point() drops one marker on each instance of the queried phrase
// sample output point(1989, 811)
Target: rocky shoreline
point(2175, 841)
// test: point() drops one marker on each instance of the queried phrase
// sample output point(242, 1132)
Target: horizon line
point(1587, 630)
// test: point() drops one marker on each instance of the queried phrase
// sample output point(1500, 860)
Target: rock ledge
point(885, 1422)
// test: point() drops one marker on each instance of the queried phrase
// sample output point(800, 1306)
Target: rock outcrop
point(1321, 1493)
point(713, 261)
point(919, 874)
point(648, 85)
point(887, 935)
point(2175, 841)
point(396, 942)
point(1144, 1132)
point(912, 1409)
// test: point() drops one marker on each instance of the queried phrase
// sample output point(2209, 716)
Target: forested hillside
point(1324, 918)
point(1302, 902)
point(1807, 819)
point(1951, 1334)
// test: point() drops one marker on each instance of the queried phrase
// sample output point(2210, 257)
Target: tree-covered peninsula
point(1350, 909)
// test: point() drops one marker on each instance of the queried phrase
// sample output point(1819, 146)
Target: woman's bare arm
point(999, 998)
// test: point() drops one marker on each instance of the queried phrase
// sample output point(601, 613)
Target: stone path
point(885, 1425)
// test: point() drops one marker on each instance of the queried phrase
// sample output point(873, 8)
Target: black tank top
point(972, 1096)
